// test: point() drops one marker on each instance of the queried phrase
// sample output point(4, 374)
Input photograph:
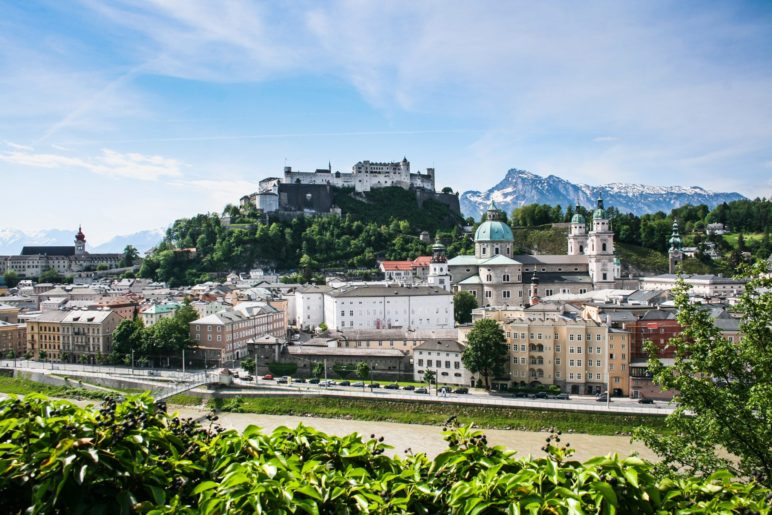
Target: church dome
point(577, 219)
point(493, 231)
point(493, 228)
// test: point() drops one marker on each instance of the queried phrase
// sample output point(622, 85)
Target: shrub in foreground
point(132, 457)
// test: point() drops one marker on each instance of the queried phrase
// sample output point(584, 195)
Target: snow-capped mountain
point(12, 240)
point(520, 187)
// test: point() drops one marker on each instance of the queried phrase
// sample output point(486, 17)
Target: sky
point(126, 115)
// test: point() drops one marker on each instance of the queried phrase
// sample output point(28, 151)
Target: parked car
point(358, 384)
point(314, 380)
point(601, 398)
point(344, 383)
point(521, 394)
point(563, 397)
point(325, 383)
point(540, 395)
point(409, 388)
point(268, 377)
point(282, 380)
point(298, 380)
point(421, 390)
point(247, 377)
point(462, 390)
point(644, 400)
point(393, 386)
point(374, 385)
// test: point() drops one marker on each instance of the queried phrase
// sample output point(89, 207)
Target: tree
point(128, 336)
point(323, 327)
point(486, 351)
point(317, 369)
point(463, 304)
point(430, 376)
point(724, 399)
point(50, 276)
point(343, 370)
point(42, 355)
point(249, 365)
point(11, 278)
point(363, 370)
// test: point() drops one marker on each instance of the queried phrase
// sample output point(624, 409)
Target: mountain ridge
point(520, 187)
point(12, 240)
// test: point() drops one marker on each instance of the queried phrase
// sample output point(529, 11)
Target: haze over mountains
point(12, 240)
point(520, 187)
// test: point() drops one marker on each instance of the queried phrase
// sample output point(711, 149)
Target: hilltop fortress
point(310, 192)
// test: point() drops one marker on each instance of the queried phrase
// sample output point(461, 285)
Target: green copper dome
point(493, 229)
point(600, 213)
point(577, 219)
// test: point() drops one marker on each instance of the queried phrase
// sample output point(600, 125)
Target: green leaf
point(606, 491)
point(203, 487)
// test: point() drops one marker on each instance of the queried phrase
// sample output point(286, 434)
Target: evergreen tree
point(486, 351)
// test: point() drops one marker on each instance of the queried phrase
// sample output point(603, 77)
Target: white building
point(443, 357)
point(309, 306)
point(707, 286)
point(382, 307)
point(365, 175)
point(87, 335)
point(151, 315)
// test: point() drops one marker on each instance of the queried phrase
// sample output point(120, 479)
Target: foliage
point(724, 399)
point(430, 376)
point(486, 352)
point(323, 327)
point(278, 368)
point(249, 365)
point(133, 457)
point(463, 304)
point(11, 278)
point(50, 276)
point(167, 337)
point(363, 370)
point(344, 370)
point(130, 256)
point(317, 369)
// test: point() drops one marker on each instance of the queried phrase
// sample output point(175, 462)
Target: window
point(447, 364)
point(578, 375)
point(538, 336)
point(571, 337)
point(589, 350)
point(428, 363)
point(597, 363)
point(351, 313)
point(557, 347)
point(579, 337)
point(570, 350)
point(488, 278)
point(342, 313)
point(616, 380)
point(570, 375)
point(506, 294)
point(522, 337)
point(530, 336)
point(556, 336)
point(578, 362)
point(571, 363)
point(557, 361)
point(522, 347)
point(597, 337)
point(557, 375)
point(522, 361)
point(488, 294)
point(579, 350)
point(420, 362)
point(496, 250)
point(597, 350)
point(505, 278)
point(514, 336)
point(456, 365)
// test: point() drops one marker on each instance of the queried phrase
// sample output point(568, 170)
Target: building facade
point(390, 306)
point(13, 339)
point(443, 357)
point(231, 330)
point(44, 334)
point(365, 176)
point(87, 336)
point(66, 261)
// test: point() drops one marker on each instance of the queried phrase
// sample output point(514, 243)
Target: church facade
point(497, 277)
point(64, 260)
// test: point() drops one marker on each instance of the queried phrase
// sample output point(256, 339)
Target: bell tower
point(675, 254)
point(438, 268)
point(80, 243)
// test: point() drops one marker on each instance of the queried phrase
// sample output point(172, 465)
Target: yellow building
point(44, 334)
point(12, 339)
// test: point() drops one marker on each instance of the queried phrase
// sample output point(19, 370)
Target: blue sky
point(123, 116)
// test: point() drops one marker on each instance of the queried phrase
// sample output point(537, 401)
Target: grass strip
point(492, 417)
point(20, 386)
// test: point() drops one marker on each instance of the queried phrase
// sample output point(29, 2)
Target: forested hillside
point(386, 226)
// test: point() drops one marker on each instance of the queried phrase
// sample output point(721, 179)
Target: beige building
point(553, 344)
point(9, 314)
point(44, 334)
point(13, 340)
point(88, 335)
point(443, 357)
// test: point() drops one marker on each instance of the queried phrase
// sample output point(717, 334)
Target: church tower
point(438, 267)
point(80, 243)
point(494, 236)
point(600, 249)
point(577, 236)
point(675, 254)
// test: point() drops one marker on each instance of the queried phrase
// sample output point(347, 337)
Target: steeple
point(675, 238)
point(675, 254)
point(493, 213)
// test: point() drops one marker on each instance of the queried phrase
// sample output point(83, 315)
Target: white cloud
point(109, 163)
point(605, 139)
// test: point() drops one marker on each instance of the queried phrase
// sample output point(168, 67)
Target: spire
point(493, 212)
point(600, 202)
point(675, 238)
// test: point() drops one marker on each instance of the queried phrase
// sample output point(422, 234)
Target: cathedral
point(496, 277)
point(65, 260)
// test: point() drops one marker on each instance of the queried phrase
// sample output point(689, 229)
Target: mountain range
point(12, 240)
point(520, 187)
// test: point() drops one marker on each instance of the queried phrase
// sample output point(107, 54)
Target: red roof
point(396, 266)
point(422, 261)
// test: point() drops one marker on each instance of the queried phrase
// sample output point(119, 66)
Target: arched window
point(495, 251)
point(604, 247)
point(581, 249)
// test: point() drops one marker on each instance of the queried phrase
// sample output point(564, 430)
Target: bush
point(282, 369)
point(134, 457)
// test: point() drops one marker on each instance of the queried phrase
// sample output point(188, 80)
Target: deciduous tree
point(486, 351)
point(724, 399)
point(463, 304)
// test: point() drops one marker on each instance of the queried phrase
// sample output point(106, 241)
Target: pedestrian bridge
point(192, 381)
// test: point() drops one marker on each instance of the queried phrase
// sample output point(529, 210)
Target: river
point(428, 439)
